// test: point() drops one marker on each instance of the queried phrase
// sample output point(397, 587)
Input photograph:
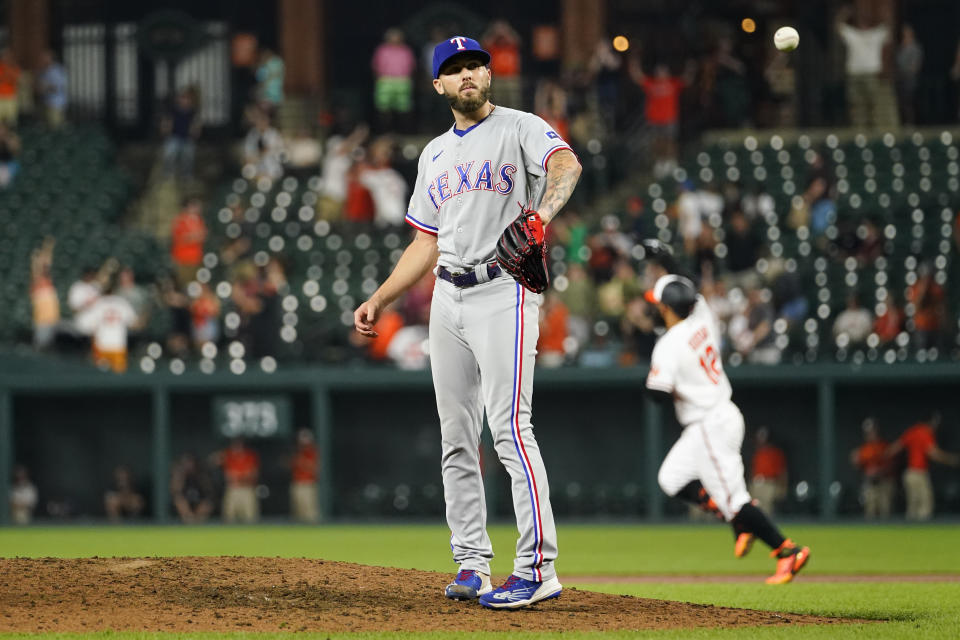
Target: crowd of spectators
point(731, 78)
point(594, 314)
point(654, 96)
point(194, 487)
point(759, 296)
point(39, 95)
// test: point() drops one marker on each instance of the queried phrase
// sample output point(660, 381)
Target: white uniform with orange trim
point(686, 362)
point(483, 338)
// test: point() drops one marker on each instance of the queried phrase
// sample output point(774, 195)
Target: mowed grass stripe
point(624, 550)
point(903, 609)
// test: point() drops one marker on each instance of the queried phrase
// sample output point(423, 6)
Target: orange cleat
point(743, 544)
point(790, 559)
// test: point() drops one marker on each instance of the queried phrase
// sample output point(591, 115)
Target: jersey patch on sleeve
point(553, 135)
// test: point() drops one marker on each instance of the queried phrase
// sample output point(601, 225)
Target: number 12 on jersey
point(708, 360)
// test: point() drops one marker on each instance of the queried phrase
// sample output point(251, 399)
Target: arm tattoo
point(563, 172)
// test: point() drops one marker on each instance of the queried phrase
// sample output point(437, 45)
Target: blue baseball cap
point(453, 47)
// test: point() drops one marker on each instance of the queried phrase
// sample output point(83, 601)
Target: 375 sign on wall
point(252, 416)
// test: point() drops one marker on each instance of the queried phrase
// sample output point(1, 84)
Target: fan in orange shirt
point(768, 472)
point(871, 458)
point(930, 316)
point(188, 233)
point(305, 467)
point(553, 331)
point(387, 327)
point(241, 469)
point(9, 87)
point(502, 42)
point(919, 441)
point(662, 110)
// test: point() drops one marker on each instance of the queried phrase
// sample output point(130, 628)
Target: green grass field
point(908, 609)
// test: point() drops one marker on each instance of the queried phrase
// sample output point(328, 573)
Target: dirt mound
point(275, 594)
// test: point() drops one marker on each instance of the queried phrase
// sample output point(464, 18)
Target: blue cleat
point(468, 585)
point(518, 592)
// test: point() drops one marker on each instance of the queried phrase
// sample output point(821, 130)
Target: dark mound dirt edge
point(274, 594)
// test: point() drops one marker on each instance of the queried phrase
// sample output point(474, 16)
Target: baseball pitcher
point(490, 261)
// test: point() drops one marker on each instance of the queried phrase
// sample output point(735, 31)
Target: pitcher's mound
point(277, 594)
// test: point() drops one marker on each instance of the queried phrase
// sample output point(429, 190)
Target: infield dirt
point(274, 594)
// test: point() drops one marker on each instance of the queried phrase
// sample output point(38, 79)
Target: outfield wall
point(601, 438)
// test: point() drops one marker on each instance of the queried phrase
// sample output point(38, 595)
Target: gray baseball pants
point(483, 343)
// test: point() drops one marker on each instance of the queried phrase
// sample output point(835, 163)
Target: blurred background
point(195, 196)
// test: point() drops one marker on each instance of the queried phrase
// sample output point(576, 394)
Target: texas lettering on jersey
point(471, 176)
point(469, 182)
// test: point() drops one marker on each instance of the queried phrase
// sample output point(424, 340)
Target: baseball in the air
point(786, 39)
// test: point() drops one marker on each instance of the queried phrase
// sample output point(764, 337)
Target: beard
point(469, 105)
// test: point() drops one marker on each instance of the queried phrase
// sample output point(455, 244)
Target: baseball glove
point(522, 252)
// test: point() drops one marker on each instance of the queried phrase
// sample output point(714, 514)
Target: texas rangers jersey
point(469, 183)
point(686, 362)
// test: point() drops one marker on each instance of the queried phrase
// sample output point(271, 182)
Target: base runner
point(705, 467)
